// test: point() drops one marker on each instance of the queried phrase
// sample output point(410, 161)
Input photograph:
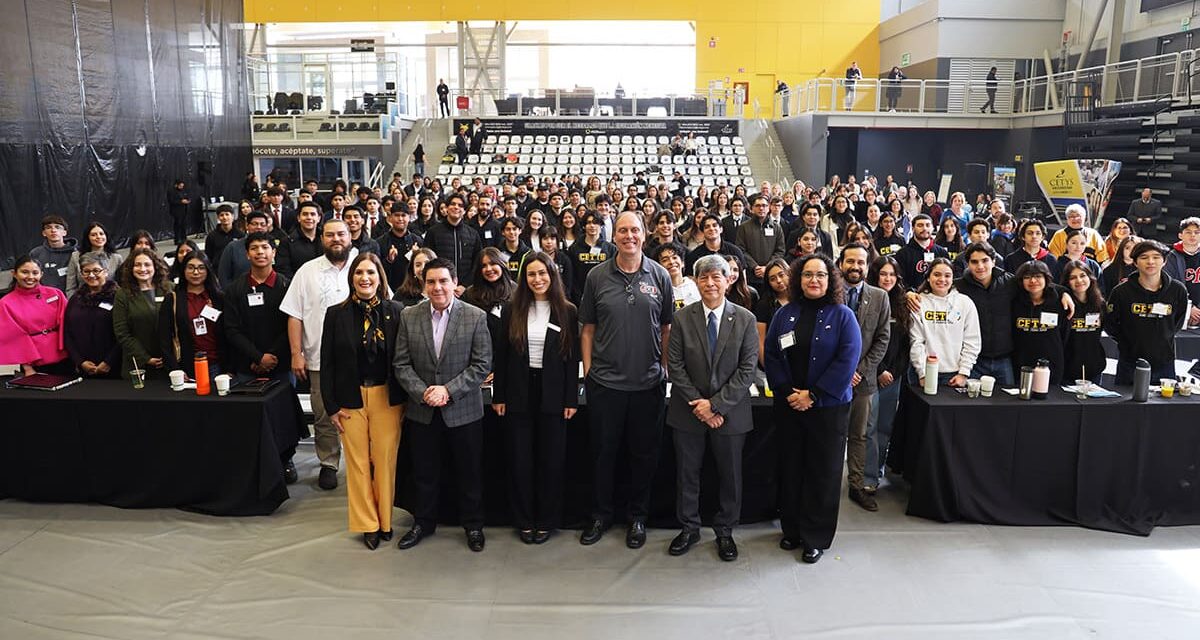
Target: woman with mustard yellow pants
point(363, 399)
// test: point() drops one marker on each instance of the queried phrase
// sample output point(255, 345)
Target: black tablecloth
point(1114, 464)
point(1187, 345)
point(759, 481)
point(103, 441)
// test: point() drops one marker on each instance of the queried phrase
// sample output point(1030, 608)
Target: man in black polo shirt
point(625, 311)
point(255, 328)
point(304, 242)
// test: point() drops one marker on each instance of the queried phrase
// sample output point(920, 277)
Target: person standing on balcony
point(784, 95)
point(991, 92)
point(895, 76)
point(443, 94)
point(853, 75)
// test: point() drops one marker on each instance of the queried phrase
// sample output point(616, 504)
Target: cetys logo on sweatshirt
point(1150, 310)
point(943, 317)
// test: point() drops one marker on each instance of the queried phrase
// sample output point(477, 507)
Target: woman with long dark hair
point(535, 388)
point(31, 322)
point(1084, 356)
point(777, 275)
point(142, 288)
point(362, 397)
point(946, 325)
point(191, 321)
point(739, 292)
point(887, 237)
point(1040, 322)
point(95, 240)
point(892, 372)
point(141, 239)
point(181, 251)
point(492, 290)
point(812, 349)
point(1121, 267)
point(412, 290)
point(949, 238)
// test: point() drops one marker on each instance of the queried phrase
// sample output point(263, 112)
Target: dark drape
point(103, 103)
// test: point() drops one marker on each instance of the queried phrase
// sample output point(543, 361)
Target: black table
point(103, 441)
point(1187, 345)
point(1114, 464)
point(759, 475)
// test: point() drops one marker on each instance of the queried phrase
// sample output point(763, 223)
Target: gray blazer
point(874, 318)
point(727, 384)
point(465, 361)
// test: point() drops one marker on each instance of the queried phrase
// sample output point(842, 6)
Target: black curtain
point(104, 103)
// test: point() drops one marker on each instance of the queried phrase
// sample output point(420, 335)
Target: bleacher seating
point(720, 160)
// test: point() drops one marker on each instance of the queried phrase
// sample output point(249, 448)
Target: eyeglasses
point(814, 275)
point(196, 268)
point(92, 272)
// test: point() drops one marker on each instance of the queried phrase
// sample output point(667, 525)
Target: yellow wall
point(757, 41)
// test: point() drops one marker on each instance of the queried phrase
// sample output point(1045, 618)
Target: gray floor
point(83, 571)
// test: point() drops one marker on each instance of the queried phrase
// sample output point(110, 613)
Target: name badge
point(594, 251)
point(62, 271)
point(107, 306)
point(199, 326)
point(210, 313)
point(1092, 320)
point(496, 311)
point(1050, 319)
point(553, 327)
point(158, 299)
point(1160, 309)
point(254, 299)
point(929, 256)
point(787, 340)
point(487, 235)
point(408, 256)
point(51, 299)
point(769, 231)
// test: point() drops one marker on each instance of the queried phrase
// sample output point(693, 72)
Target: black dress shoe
point(787, 544)
point(410, 539)
point(289, 473)
point(593, 533)
point(864, 499)
point(371, 540)
point(635, 537)
point(683, 542)
point(385, 536)
point(726, 548)
point(475, 540)
point(811, 556)
point(541, 537)
point(526, 536)
point(327, 479)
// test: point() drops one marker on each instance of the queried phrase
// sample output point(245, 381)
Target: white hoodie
point(949, 328)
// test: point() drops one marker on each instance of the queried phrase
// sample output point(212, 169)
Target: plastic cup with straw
point(137, 375)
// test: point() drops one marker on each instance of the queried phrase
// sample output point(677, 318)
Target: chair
point(280, 103)
point(258, 112)
point(284, 126)
point(325, 126)
point(270, 128)
point(258, 127)
point(374, 126)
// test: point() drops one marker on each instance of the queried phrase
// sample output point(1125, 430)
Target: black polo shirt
point(629, 311)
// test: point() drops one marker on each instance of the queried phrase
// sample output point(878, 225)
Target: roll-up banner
point(1085, 182)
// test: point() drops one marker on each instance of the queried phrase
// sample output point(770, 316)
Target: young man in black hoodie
point(916, 257)
point(54, 254)
point(1184, 265)
point(1144, 314)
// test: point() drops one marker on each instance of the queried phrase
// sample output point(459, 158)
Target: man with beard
point(318, 285)
point(870, 305)
point(916, 256)
point(485, 224)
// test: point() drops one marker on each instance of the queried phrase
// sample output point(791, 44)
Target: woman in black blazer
point(190, 320)
point(536, 387)
point(363, 399)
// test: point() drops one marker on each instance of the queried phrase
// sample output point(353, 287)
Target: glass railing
point(1172, 75)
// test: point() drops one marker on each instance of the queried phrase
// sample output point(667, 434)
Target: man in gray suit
point(870, 305)
point(712, 353)
point(1144, 213)
point(443, 353)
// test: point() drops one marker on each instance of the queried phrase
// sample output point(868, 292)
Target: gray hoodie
point(54, 263)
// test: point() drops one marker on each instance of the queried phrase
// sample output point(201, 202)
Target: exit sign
point(1185, 23)
point(905, 59)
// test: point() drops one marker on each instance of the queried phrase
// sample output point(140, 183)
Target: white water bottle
point(931, 374)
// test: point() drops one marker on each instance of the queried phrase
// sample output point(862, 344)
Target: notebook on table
point(43, 382)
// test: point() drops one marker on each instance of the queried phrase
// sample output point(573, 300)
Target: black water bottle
point(1141, 380)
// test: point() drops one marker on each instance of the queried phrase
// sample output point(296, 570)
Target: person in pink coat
point(31, 320)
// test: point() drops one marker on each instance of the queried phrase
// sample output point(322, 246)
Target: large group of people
point(397, 305)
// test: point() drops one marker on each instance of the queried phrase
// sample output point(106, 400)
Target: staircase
point(767, 159)
point(434, 133)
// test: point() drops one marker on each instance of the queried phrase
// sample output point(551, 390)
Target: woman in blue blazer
point(812, 348)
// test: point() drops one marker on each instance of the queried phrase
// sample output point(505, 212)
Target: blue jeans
point(883, 415)
point(999, 368)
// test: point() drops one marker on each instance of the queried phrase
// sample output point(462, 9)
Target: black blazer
point(340, 342)
point(560, 375)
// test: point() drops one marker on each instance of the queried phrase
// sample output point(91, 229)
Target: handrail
point(376, 178)
point(1138, 80)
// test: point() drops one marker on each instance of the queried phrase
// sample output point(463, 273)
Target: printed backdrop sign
point(1085, 182)
point(605, 127)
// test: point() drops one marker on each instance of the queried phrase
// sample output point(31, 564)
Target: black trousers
point(180, 223)
point(537, 445)
point(689, 458)
point(466, 443)
point(444, 105)
point(813, 449)
point(636, 416)
point(991, 101)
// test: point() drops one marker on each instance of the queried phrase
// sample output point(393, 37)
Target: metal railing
point(1119, 83)
point(566, 102)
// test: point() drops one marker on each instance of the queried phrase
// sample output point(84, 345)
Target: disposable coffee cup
point(177, 379)
point(987, 384)
point(973, 388)
point(138, 378)
point(222, 382)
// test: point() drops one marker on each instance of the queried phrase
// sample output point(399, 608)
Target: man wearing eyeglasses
point(626, 312)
